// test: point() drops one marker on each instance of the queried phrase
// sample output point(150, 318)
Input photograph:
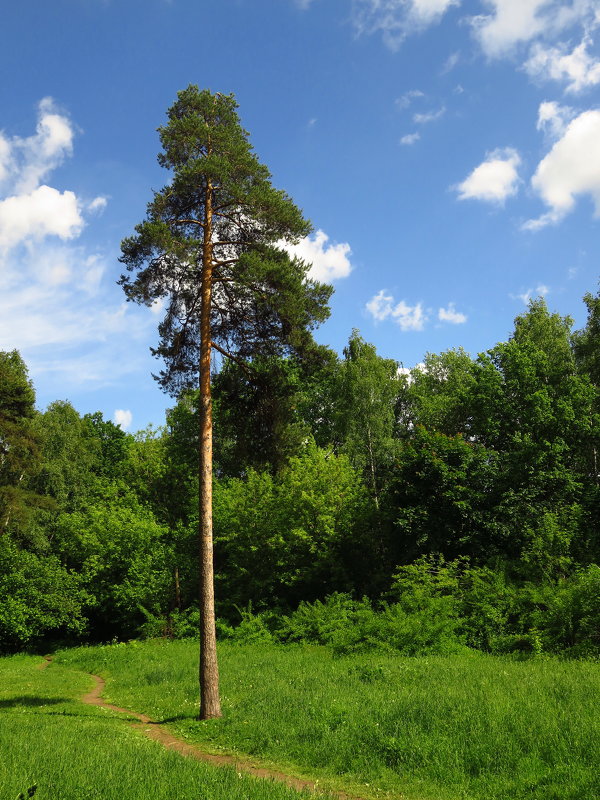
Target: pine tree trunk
point(210, 705)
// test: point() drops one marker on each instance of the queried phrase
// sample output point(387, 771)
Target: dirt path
point(156, 731)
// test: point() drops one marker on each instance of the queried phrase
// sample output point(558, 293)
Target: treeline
point(355, 504)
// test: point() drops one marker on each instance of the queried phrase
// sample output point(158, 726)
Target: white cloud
point(410, 138)
point(430, 116)
point(451, 315)
point(514, 22)
point(407, 98)
point(430, 10)
point(494, 180)
point(511, 22)
point(329, 262)
point(451, 62)
point(540, 291)
point(30, 210)
point(578, 69)
point(54, 307)
point(396, 19)
point(98, 204)
point(122, 418)
point(4, 157)
point(410, 318)
point(554, 118)
point(570, 169)
point(43, 212)
point(31, 159)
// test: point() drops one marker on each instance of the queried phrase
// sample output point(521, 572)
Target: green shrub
point(570, 621)
point(321, 621)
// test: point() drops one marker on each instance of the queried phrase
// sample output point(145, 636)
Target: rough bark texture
point(210, 705)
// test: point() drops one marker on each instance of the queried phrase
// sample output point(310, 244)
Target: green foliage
point(365, 399)
point(438, 394)
point(569, 619)
point(462, 500)
point(119, 550)
point(112, 445)
point(70, 454)
point(257, 424)
point(19, 447)
point(440, 498)
point(38, 598)
point(286, 538)
point(322, 621)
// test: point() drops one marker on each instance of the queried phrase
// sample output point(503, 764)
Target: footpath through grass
point(77, 752)
point(469, 727)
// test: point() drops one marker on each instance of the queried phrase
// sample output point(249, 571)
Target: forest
point(356, 504)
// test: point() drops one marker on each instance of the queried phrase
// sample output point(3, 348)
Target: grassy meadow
point(467, 727)
point(76, 752)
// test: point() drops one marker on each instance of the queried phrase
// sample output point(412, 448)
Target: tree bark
point(210, 705)
point(177, 590)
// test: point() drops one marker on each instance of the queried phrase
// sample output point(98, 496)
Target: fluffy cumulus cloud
point(577, 69)
point(54, 306)
point(123, 418)
point(329, 262)
point(571, 169)
point(493, 181)
point(396, 19)
point(38, 214)
point(409, 318)
point(29, 209)
point(451, 315)
point(510, 23)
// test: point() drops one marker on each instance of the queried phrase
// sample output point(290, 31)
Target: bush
point(570, 622)
point(321, 621)
point(349, 625)
point(38, 598)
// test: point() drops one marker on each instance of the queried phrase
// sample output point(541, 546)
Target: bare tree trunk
point(177, 590)
point(372, 465)
point(210, 705)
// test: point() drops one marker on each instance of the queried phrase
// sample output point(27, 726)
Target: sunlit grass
point(77, 752)
point(469, 727)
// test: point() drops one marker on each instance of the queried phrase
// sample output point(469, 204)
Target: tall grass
point(473, 727)
point(76, 752)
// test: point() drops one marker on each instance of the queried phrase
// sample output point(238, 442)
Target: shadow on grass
point(31, 701)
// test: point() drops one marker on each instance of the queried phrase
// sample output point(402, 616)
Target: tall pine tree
point(210, 248)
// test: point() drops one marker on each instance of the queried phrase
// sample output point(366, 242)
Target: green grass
point(77, 752)
point(434, 728)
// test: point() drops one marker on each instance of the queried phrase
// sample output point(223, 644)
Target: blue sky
point(446, 151)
